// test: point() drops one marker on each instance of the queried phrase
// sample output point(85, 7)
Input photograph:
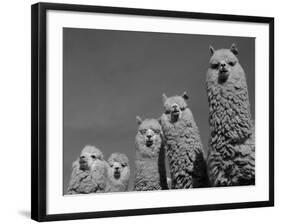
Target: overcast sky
point(112, 76)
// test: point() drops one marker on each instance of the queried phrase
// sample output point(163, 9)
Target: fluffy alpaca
point(89, 172)
point(184, 148)
point(231, 157)
point(118, 173)
point(150, 157)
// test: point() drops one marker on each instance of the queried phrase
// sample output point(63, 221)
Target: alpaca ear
point(139, 120)
point(185, 96)
point(159, 120)
point(212, 50)
point(234, 49)
point(100, 156)
point(164, 98)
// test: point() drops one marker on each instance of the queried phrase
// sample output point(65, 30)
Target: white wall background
point(15, 112)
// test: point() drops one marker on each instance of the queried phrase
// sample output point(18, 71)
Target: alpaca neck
point(121, 186)
point(143, 155)
point(229, 113)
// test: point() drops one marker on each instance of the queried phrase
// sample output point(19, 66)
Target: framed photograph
point(138, 111)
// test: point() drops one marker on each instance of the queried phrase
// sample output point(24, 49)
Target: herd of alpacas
point(230, 159)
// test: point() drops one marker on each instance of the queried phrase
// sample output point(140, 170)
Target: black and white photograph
point(146, 111)
point(121, 111)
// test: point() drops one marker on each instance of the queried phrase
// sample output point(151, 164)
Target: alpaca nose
point(117, 168)
point(149, 136)
point(223, 64)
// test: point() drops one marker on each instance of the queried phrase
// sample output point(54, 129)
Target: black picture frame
point(39, 122)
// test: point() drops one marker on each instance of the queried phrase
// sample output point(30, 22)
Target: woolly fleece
point(184, 147)
point(89, 178)
point(150, 171)
point(231, 156)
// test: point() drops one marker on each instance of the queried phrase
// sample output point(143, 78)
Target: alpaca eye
point(156, 131)
point(123, 165)
point(167, 112)
point(182, 108)
point(93, 156)
point(143, 131)
point(214, 65)
point(231, 63)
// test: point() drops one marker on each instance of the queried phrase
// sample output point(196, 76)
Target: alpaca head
point(228, 96)
point(174, 107)
point(149, 137)
point(118, 170)
point(88, 156)
point(224, 66)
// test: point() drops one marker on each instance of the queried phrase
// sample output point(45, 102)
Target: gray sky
point(112, 76)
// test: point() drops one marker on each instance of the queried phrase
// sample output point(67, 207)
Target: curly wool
point(147, 175)
point(89, 178)
point(185, 153)
point(150, 173)
point(231, 157)
point(88, 181)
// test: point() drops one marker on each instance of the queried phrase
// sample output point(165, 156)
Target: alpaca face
point(118, 169)
point(149, 138)
point(223, 62)
point(88, 156)
point(174, 107)
point(149, 135)
point(224, 66)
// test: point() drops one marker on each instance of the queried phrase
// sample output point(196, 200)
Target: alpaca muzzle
point(117, 174)
point(83, 164)
point(175, 115)
point(223, 75)
point(149, 142)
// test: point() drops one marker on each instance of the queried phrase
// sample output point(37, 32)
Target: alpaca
point(150, 156)
point(184, 147)
point(231, 156)
point(89, 172)
point(118, 173)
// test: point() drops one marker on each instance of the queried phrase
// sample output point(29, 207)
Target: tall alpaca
point(184, 147)
point(88, 172)
point(150, 158)
point(231, 157)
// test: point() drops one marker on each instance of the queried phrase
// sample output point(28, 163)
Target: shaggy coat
point(231, 156)
point(118, 173)
point(184, 148)
point(150, 171)
point(89, 172)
